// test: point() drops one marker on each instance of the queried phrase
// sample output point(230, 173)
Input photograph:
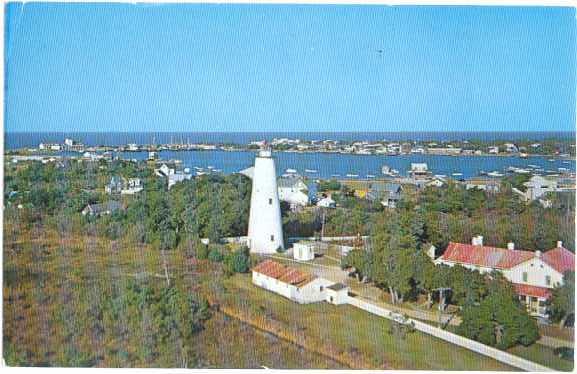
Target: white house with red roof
point(533, 274)
point(294, 284)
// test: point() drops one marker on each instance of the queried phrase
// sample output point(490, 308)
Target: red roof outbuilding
point(284, 274)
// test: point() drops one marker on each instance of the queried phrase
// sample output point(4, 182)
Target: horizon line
point(284, 131)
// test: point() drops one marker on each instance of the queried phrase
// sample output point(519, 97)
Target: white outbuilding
point(337, 294)
point(304, 251)
point(294, 284)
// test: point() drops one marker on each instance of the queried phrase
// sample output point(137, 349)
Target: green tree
point(499, 319)
point(563, 299)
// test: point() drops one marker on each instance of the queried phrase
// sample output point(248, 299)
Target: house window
point(321, 288)
point(525, 276)
point(269, 201)
point(548, 280)
point(272, 238)
point(331, 299)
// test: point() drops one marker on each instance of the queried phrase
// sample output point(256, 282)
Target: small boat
point(457, 174)
point(210, 167)
point(352, 175)
point(495, 174)
point(200, 173)
point(197, 168)
point(566, 162)
point(562, 169)
point(291, 171)
point(370, 176)
point(551, 160)
point(482, 172)
point(310, 171)
point(335, 175)
point(533, 166)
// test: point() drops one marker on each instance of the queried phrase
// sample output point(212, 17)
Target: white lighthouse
point(265, 223)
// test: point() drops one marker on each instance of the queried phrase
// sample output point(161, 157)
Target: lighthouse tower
point(265, 224)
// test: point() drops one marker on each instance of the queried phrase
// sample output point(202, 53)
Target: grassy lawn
point(353, 329)
point(542, 355)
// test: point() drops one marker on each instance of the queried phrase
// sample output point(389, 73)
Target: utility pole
point(323, 224)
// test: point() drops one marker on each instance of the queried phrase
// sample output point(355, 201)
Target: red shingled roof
point(491, 257)
point(560, 259)
point(283, 273)
point(527, 290)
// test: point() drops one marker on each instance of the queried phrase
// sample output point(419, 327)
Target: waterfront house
point(533, 274)
point(101, 209)
point(419, 170)
point(297, 285)
point(293, 190)
point(511, 148)
point(444, 151)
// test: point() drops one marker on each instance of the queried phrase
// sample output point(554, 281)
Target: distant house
point(101, 209)
point(538, 186)
point(293, 190)
point(123, 186)
point(177, 177)
point(296, 285)
point(486, 184)
point(132, 186)
point(327, 202)
point(533, 274)
point(164, 171)
point(436, 182)
point(172, 175)
point(387, 193)
point(114, 186)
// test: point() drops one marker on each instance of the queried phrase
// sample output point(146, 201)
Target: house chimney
point(559, 244)
point(511, 245)
point(477, 240)
point(538, 253)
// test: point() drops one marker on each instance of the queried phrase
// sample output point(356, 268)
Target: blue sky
point(122, 67)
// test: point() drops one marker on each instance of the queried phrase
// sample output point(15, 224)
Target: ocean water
point(325, 165)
